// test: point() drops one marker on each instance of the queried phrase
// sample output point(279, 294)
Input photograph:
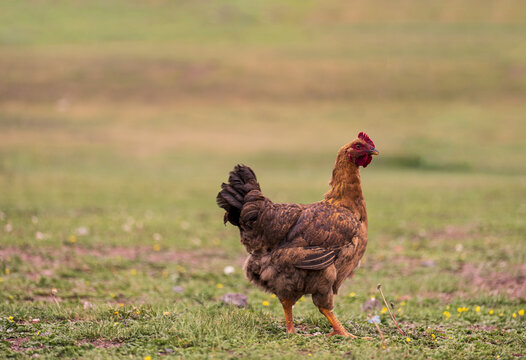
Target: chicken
point(298, 249)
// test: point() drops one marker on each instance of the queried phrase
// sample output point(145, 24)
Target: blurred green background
point(120, 119)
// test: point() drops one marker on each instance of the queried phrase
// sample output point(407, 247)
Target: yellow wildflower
point(514, 315)
point(156, 247)
point(137, 312)
point(166, 313)
point(408, 339)
point(490, 312)
point(273, 296)
point(7, 271)
point(219, 286)
point(309, 354)
point(447, 314)
point(521, 312)
point(384, 310)
point(11, 319)
point(447, 307)
point(501, 314)
point(352, 294)
point(72, 239)
point(1, 279)
point(477, 309)
point(133, 272)
point(147, 358)
point(265, 303)
point(302, 298)
point(121, 305)
point(433, 336)
point(402, 303)
point(116, 313)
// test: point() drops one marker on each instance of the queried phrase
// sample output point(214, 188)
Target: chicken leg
point(287, 308)
point(336, 325)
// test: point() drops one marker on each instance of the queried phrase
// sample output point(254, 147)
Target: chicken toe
point(335, 323)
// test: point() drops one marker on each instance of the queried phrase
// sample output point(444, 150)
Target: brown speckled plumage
point(300, 249)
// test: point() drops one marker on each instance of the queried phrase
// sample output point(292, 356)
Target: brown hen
point(298, 249)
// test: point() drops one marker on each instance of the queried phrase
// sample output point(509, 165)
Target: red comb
point(365, 138)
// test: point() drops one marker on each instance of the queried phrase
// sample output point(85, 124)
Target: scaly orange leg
point(336, 325)
point(287, 308)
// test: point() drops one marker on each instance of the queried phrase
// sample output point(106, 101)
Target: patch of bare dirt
point(47, 260)
point(450, 233)
point(444, 297)
point(406, 265)
point(101, 343)
point(16, 343)
point(194, 257)
point(512, 283)
point(487, 328)
point(26, 256)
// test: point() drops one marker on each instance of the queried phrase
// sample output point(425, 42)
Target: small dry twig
point(379, 287)
point(54, 296)
point(379, 331)
point(394, 316)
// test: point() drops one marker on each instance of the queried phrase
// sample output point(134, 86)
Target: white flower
point(375, 319)
point(459, 247)
point(40, 236)
point(157, 237)
point(8, 227)
point(229, 270)
point(82, 231)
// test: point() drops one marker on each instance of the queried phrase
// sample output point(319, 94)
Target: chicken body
point(300, 249)
point(319, 246)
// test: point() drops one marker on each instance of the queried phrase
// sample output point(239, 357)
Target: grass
point(119, 120)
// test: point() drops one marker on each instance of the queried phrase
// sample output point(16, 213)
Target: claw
point(342, 333)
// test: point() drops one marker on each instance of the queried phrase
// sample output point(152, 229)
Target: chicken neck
point(346, 188)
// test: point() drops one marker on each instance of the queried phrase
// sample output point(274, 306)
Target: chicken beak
point(374, 152)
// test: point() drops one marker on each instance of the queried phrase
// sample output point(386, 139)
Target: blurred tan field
point(120, 119)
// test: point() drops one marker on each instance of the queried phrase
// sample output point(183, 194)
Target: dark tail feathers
point(231, 197)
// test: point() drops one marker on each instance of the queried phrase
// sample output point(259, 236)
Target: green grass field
point(119, 120)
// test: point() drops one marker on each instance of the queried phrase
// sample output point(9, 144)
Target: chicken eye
point(358, 146)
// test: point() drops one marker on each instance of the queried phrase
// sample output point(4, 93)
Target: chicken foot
point(287, 308)
point(336, 325)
